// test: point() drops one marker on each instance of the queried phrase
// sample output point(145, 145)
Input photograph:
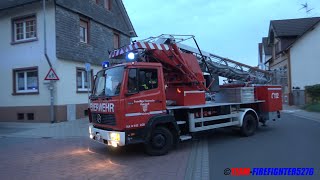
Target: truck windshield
point(108, 82)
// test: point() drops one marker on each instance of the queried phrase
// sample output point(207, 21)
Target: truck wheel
point(160, 142)
point(249, 125)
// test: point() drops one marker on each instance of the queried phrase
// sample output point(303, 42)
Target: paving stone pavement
point(64, 151)
point(77, 128)
point(81, 158)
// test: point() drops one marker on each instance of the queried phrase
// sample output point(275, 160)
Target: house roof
point(127, 19)
point(5, 4)
point(290, 30)
point(267, 49)
point(293, 27)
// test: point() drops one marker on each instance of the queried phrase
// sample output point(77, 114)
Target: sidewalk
point(301, 113)
point(68, 129)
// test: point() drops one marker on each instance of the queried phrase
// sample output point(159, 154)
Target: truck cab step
point(181, 122)
point(185, 137)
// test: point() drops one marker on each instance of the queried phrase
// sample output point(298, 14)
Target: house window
point(83, 81)
point(107, 4)
point(24, 29)
point(116, 40)
point(84, 25)
point(26, 80)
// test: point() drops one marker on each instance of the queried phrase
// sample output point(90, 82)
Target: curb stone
point(198, 162)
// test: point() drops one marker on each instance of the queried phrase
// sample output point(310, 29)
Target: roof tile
point(293, 27)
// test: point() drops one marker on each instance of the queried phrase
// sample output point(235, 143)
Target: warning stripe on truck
point(138, 45)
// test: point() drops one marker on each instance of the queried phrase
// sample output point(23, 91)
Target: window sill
point(108, 10)
point(25, 93)
point(83, 91)
point(24, 41)
point(86, 44)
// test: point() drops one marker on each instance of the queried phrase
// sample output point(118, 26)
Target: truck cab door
point(144, 96)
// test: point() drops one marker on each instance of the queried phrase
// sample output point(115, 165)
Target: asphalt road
point(290, 142)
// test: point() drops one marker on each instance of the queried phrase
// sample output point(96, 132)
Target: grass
point(314, 107)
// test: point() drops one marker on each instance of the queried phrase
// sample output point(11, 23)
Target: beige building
point(294, 56)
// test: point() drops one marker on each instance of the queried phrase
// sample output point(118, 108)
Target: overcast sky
point(228, 28)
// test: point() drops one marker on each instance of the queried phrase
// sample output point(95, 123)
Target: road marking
point(291, 111)
point(306, 118)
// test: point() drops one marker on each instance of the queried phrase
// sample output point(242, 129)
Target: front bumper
point(107, 137)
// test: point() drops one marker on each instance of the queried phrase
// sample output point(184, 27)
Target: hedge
point(313, 92)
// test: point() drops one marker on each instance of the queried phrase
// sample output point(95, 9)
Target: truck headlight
point(114, 136)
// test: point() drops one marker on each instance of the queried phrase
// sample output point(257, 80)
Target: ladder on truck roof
point(211, 63)
point(216, 64)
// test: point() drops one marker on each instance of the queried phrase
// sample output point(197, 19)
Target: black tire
point(160, 142)
point(249, 125)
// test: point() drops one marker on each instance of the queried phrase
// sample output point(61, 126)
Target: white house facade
point(76, 33)
point(305, 59)
point(295, 56)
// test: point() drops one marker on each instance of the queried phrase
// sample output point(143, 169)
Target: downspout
point(51, 85)
point(45, 33)
point(289, 79)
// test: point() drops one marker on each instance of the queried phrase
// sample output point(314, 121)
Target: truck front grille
point(105, 119)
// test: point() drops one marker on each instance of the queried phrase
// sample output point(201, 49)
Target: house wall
point(305, 59)
point(100, 35)
point(65, 51)
point(66, 93)
point(23, 55)
point(280, 61)
point(265, 59)
point(71, 53)
point(113, 18)
point(281, 76)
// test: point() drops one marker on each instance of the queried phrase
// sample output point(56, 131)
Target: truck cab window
point(132, 81)
point(148, 79)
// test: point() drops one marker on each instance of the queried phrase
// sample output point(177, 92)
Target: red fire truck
point(165, 92)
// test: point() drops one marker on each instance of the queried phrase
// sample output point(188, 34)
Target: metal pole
point(51, 85)
point(89, 85)
point(45, 32)
point(51, 88)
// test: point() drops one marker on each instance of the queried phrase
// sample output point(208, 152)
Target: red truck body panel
point(272, 97)
point(184, 96)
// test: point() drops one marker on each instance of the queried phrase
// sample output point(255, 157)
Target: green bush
point(315, 107)
point(313, 92)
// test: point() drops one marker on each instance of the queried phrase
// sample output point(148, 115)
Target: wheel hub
point(158, 141)
point(249, 125)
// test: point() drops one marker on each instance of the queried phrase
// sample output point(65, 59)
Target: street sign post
point(52, 76)
point(87, 66)
point(88, 70)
